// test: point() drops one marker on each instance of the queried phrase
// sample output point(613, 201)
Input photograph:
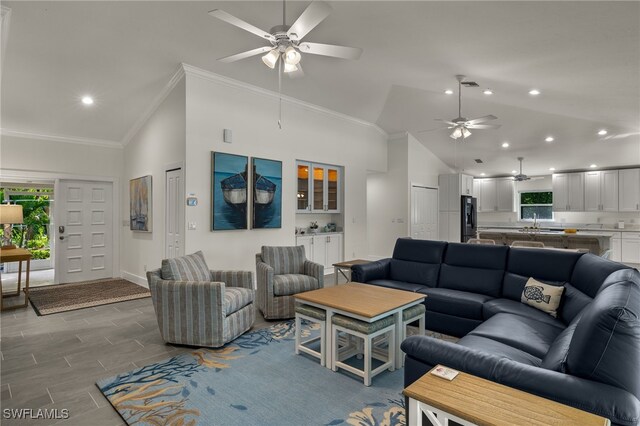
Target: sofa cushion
point(499, 349)
point(556, 357)
point(191, 267)
point(414, 272)
point(549, 266)
point(474, 280)
point(400, 285)
point(289, 284)
point(476, 256)
point(573, 302)
point(606, 342)
point(236, 298)
point(284, 260)
point(423, 251)
point(544, 297)
point(591, 271)
point(531, 336)
point(454, 302)
point(496, 306)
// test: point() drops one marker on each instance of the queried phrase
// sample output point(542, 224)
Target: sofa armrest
point(242, 279)
point(315, 270)
point(264, 278)
point(378, 270)
point(616, 404)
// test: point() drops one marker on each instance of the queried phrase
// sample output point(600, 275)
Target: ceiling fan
point(286, 41)
point(461, 125)
point(521, 176)
point(621, 135)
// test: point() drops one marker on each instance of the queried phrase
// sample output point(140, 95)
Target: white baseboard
point(142, 281)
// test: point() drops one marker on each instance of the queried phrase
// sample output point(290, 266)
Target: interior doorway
point(174, 213)
point(424, 213)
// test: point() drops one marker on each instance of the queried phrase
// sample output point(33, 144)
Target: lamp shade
point(271, 58)
point(10, 213)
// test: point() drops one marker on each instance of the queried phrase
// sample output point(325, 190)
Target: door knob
point(61, 238)
point(61, 229)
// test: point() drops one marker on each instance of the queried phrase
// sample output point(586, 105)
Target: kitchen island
point(597, 242)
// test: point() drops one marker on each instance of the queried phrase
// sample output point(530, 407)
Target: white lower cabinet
point(616, 249)
point(630, 247)
point(325, 249)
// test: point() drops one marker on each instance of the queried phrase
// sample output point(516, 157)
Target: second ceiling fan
point(461, 125)
point(286, 41)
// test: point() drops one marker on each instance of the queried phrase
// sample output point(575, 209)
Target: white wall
point(38, 155)
point(388, 194)
point(545, 184)
point(213, 104)
point(159, 143)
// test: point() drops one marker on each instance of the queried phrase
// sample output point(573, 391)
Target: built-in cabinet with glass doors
point(318, 188)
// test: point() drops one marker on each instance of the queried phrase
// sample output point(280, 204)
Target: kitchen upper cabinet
point(495, 195)
point(568, 192)
point(319, 188)
point(505, 196)
point(601, 190)
point(629, 190)
point(466, 183)
point(489, 196)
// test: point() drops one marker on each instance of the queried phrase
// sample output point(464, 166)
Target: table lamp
point(9, 215)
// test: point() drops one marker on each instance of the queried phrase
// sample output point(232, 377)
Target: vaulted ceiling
point(583, 56)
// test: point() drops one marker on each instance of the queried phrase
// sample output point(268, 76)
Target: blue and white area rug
point(255, 380)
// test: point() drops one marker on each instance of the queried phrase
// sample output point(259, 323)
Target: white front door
point(424, 213)
point(84, 231)
point(174, 214)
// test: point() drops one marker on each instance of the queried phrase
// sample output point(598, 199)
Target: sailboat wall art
point(267, 193)
point(229, 184)
point(140, 204)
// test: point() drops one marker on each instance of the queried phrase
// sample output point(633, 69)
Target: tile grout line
point(93, 399)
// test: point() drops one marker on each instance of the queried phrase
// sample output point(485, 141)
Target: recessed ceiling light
point(534, 92)
point(549, 139)
point(483, 174)
point(87, 100)
point(602, 132)
point(448, 92)
point(552, 169)
point(505, 144)
point(593, 166)
point(514, 171)
point(488, 92)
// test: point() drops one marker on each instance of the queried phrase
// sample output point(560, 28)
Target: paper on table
point(444, 372)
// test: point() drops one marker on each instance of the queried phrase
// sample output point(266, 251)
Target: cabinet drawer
point(630, 235)
point(630, 251)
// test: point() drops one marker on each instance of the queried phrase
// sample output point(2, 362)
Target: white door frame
point(57, 177)
point(420, 185)
point(167, 168)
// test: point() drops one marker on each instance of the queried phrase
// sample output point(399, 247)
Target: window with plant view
point(538, 203)
point(33, 234)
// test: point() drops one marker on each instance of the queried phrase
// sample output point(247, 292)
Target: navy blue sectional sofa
point(588, 357)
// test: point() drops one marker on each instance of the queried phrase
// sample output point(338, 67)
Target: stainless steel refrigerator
point(468, 218)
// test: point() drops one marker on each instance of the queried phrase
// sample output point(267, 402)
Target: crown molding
point(60, 138)
point(173, 81)
point(217, 78)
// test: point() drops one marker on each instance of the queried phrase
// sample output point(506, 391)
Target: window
point(538, 203)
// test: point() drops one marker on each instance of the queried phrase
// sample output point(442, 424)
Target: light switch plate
point(227, 135)
point(191, 226)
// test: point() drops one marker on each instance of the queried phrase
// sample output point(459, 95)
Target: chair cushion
point(413, 312)
point(236, 298)
point(544, 297)
point(455, 302)
point(289, 284)
point(400, 285)
point(498, 349)
point(311, 311)
point(556, 357)
point(497, 306)
point(362, 326)
point(186, 268)
point(531, 336)
point(284, 260)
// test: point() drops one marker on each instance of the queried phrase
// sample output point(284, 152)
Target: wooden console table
point(340, 267)
point(16, 255)
point(470, 400)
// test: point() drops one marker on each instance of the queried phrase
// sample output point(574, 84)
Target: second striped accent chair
point(281, 273)
point(199, 307)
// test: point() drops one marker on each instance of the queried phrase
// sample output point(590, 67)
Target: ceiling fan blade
point(483, 126)
point(621, 135)
point(299, 73)
point(431, 130)
point(230, 19)
point(343, 52)
point(451, 123)
point(310, 18)
point(481, 119)
point(247, 54)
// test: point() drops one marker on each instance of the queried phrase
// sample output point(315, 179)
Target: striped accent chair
point(198, 307)
point(281, 273)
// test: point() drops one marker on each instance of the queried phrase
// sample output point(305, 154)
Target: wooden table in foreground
point(340, 267)
point(16, 255)
point(364, 302)
point(470, 400)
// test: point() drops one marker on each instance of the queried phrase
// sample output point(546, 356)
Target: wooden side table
point(470, 400)
point(340, 268)
point(16, 255)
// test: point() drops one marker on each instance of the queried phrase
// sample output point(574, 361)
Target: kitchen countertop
point(579, 234)
point(311, 234)
point(629, 228)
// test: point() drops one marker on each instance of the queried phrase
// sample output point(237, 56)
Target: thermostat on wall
point(192, 201)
